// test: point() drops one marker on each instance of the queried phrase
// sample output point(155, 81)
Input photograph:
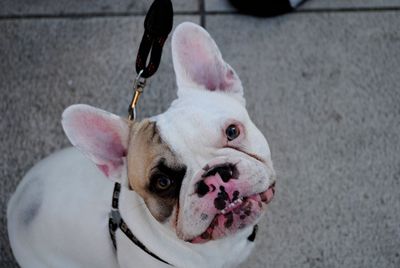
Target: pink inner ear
point(100, 136)
point(104, 169)
point(202, 61)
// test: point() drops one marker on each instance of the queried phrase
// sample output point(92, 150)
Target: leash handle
point(157, 26)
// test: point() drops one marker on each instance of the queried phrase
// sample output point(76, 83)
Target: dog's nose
point(226, 172)
point(202, 188)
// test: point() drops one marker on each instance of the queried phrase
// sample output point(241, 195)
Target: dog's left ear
point(198, 62)
point(100, 135)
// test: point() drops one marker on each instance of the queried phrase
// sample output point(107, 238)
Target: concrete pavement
point(321, 83)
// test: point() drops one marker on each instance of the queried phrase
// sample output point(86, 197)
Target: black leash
point(115, 221)
point(157, 26)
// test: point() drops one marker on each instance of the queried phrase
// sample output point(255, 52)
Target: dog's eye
point(163, 183)
point(232, 132)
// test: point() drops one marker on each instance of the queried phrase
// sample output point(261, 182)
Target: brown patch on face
point(149, 159)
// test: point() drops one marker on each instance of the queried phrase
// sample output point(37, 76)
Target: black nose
point(225, 171)
point(202, 188)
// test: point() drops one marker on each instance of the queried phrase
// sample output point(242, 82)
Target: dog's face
point(202, 167)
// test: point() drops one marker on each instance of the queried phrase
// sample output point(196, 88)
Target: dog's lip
point(265, 197)
point(268, 194)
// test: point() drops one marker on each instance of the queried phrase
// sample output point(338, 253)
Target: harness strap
point(115, 221)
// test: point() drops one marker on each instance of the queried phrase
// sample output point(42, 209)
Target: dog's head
point(202, 167)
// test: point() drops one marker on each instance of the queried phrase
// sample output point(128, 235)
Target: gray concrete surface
point(352, 4)
point(109, 7)
point(224, 6)
point(322, 86)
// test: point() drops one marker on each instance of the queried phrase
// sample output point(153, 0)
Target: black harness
point(115, 221)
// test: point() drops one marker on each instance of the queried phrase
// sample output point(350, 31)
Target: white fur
point(58, 216)
point(78, 236)
point(205, 114)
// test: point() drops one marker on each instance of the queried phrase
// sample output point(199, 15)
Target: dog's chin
point(236, 216)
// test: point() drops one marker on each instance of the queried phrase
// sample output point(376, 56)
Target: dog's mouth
point(238, 214)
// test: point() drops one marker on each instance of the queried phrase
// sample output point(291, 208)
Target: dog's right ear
point(100, 135)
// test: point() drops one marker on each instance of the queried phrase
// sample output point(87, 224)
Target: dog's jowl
point(193, 182)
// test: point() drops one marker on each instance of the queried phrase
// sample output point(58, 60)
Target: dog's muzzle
point(233, 211)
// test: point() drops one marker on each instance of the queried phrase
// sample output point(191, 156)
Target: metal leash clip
point(138, 86)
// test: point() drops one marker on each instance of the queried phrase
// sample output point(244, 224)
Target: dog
point(184, 188)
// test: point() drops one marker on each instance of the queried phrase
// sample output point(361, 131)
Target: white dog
point(184, 188)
